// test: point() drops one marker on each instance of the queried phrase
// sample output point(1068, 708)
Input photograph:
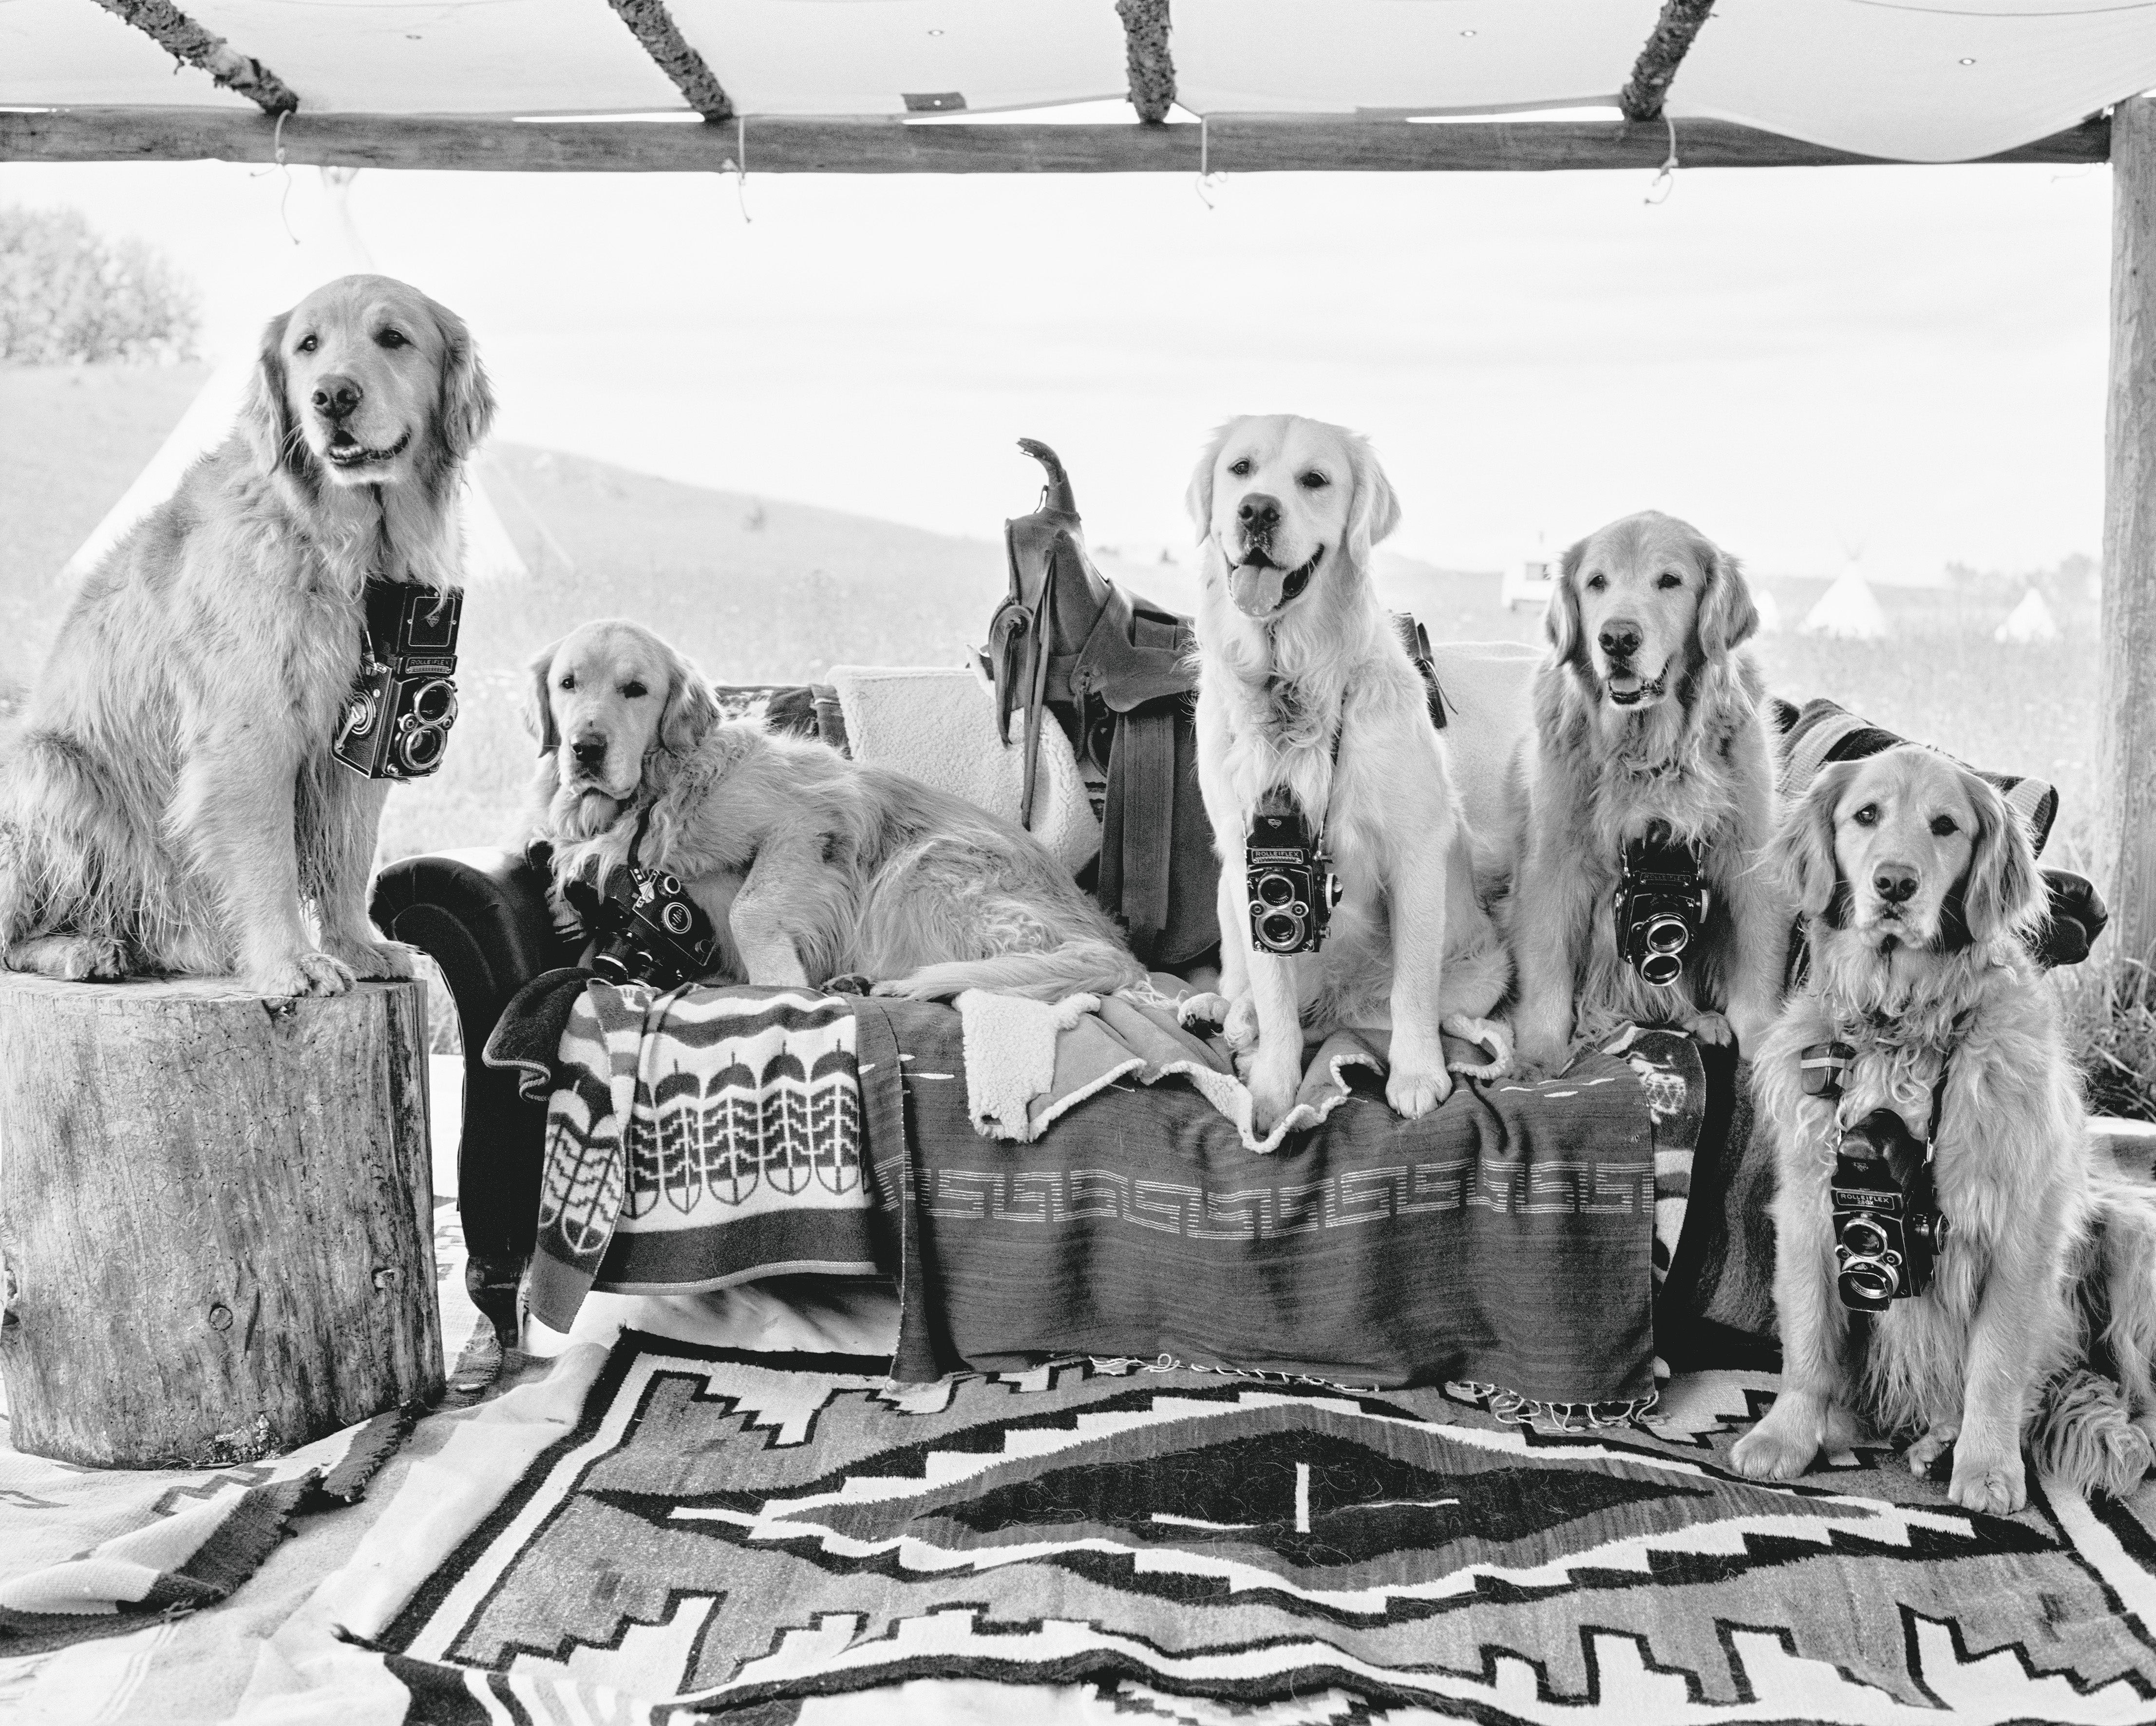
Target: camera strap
point(1823, 1067)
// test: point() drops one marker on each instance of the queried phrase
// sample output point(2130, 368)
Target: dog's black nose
point(1894, 882)
point(589, 751)
point(335, 396)
point(1620, 638)
point(1259, 513)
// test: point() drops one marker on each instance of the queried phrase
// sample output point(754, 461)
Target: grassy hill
point(760, 590)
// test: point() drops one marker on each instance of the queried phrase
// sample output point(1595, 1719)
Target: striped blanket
point(700, 1138)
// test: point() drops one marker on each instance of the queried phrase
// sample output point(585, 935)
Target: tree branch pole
point(2126, 745)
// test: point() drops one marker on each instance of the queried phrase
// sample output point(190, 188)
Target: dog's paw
point(1710, 1028)
point(73, 958)
point(1202, 1012)
point(1414, 1091)
point(1774, 1450)
point(1924, 1455)
point(1240, 1028)
point(374, 960)
point(300, 974)
point(1987, 1480)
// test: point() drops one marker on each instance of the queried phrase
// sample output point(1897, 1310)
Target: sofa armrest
point(482, 916)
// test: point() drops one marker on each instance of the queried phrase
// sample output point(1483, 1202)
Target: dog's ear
point(2003, 893)
point(538, 699)
point(1727, 617)
point(1374, 512)
point(466, 407)
point(266, 412)
point(1802, 853)
point(1199, 499)
point(1561, 621)
point(690, 710)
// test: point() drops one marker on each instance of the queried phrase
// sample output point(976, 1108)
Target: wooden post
point(2126, 746)
point(217, 1217)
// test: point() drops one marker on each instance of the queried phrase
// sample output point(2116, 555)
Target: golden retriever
point(1303, 683)
point(809, 866)
point(1645, 711)
point(168, 801)
point(1920, 890)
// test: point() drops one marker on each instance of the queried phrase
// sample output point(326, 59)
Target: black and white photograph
point(1077, 861)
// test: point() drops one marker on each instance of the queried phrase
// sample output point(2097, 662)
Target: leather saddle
point(1116, 672)
point(1120, 674)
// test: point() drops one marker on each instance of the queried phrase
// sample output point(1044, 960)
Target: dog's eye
point(1240, 468)
point(1943, 824)
point(1313, 482)
point(307, 344)
point(1868, 816)
point(1667, 580)
point(568, 680)
point(1596, 583)
point(633, 689)
point(392, 338)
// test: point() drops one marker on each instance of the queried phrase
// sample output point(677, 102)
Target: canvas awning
point(1921, 80)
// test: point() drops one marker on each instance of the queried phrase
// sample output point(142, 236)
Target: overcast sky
point(1804, 362)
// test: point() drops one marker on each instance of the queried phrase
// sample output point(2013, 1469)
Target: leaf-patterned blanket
point(700, 1138)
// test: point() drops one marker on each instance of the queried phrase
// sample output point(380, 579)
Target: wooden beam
point(2126, 745)
point(1649, 85)
point(1238, 145)
point(654, 27)
point(181, 37)
point(1145, 49)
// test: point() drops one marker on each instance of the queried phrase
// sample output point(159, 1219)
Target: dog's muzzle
point(1260, 588)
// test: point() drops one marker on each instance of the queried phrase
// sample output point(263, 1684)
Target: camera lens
point(1870, 1281)
point(1274, 890)
point(419, 750)
point(607, 963)
point(1280, 931)
point(1667, 934)
point(1863, 1237)
point(434, 703)
point(1661, 970)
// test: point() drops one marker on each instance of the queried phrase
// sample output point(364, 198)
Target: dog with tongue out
point(1311, 715)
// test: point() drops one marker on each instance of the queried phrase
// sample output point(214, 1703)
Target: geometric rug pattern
point(724, 1534)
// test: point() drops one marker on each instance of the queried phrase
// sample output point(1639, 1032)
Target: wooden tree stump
point(217, 1215)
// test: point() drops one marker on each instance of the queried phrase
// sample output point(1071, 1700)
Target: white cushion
point(1488, 695)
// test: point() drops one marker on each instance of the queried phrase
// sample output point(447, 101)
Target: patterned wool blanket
point(99, 1552)
point(700, 1138)
point(730, 1537)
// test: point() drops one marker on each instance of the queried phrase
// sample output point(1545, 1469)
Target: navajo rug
point(731, 1535)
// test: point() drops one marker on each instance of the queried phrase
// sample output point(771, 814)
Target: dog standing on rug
point(169, 801)
point(1933, 1160)
point(1317, 758)
point(1647, 783)
point(808, 866)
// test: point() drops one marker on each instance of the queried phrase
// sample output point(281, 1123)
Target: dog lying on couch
point(807, 865)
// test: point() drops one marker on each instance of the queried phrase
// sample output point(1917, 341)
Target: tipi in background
point(1848, 611)
point(2031, 620)
point(337, 249)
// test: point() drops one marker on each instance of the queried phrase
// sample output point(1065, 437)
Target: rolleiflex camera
point(396, 721)
point(650, 930)
point(1661, 905)
point(1292, 887)
point(1887, 1228)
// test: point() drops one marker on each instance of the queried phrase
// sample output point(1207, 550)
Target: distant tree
point(68, 296)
